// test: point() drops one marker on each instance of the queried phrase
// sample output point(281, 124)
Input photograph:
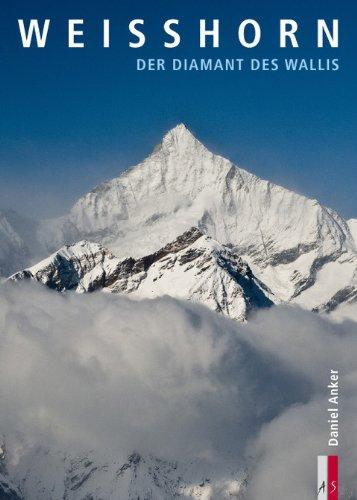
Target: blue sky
point(71, 118)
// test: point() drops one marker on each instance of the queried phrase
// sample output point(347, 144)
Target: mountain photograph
point(178, 250)
point(202, 281)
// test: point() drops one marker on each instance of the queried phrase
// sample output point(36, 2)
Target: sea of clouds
point(172, 379)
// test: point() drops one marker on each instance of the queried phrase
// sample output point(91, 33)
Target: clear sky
point(71, 118)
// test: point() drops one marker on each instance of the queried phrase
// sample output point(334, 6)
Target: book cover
point(178, 250)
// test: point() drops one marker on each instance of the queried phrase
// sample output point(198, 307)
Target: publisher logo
point(327, 477)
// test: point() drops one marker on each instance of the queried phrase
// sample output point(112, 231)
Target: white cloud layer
point(172, 379)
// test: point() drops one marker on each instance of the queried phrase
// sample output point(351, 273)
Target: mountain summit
point(179, 133)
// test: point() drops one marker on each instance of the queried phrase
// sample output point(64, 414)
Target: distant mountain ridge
point(139, 477)
point(18, 241)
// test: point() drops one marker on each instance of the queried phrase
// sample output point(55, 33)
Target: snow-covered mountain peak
point(179, 136)
point(193, 267)
point(81, 267)
point(49, 474)
point(178, 143)
point(180, 131)
point(291, 243)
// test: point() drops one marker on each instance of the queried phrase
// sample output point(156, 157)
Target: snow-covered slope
point(352, 224)
point(193, 267)
point(292, 243)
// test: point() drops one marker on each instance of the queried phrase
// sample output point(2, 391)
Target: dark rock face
point(7, 491)
point(131, 266)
